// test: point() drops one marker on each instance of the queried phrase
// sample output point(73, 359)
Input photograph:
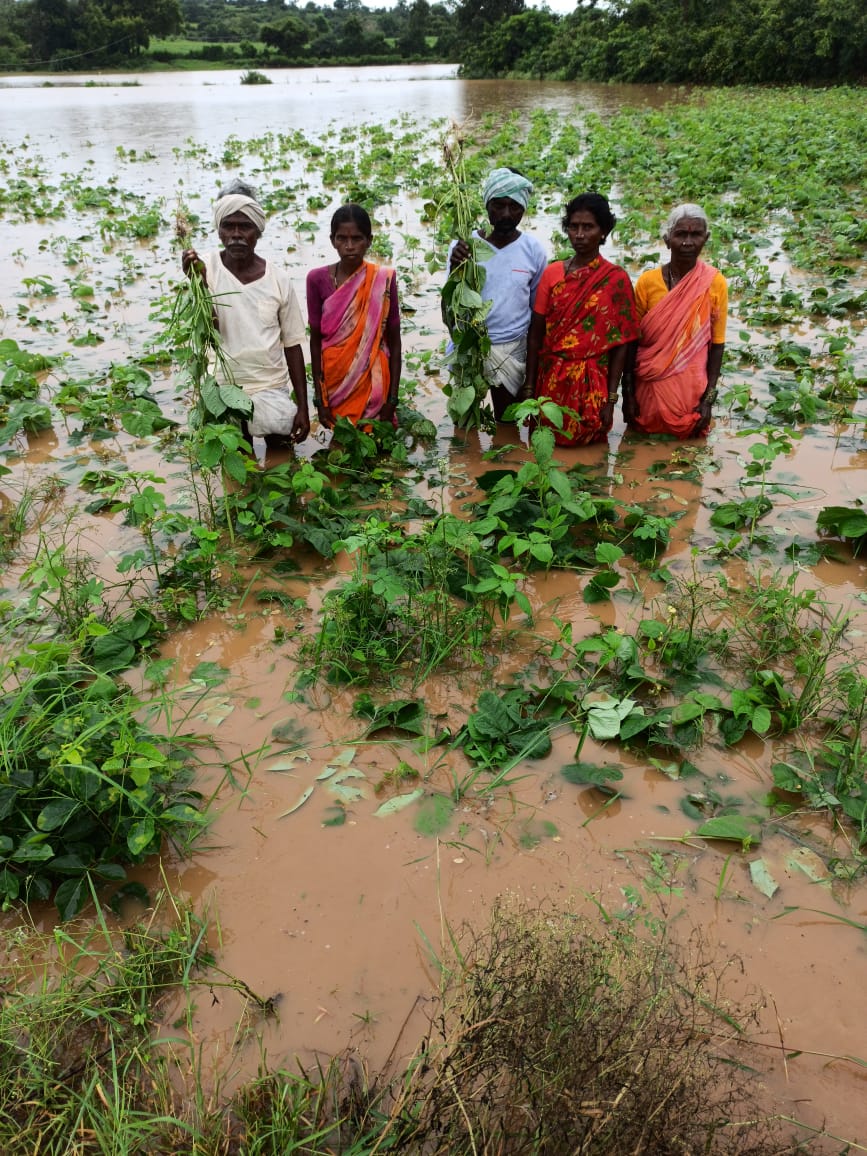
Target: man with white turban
point(512, 273)
point(259, 320)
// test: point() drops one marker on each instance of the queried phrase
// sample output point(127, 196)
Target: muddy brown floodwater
point(343, 923)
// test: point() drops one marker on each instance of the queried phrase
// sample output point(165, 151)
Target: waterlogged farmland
point(341, 702)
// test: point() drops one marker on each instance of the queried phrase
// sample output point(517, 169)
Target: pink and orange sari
point(355, 367)
point(590, 311)
point(671, 366)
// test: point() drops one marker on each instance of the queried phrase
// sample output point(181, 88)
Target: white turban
point(505, 183)
point(237, 203)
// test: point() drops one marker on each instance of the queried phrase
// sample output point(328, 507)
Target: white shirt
point(256, 322)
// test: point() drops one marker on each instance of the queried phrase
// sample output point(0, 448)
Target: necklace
point(669, 277)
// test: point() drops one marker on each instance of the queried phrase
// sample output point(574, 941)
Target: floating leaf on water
point(762, 879)
point(670, 770)
point(733, 828)
point(591, 774)
point(289, 763)
point(290, 730)
point(216, 711)
point(340, 791)
point(210, 673)
point(392, 806)
point(434, 814)
point(335, 816)
point(343, 759)
point(305, 795)
point(803, 859)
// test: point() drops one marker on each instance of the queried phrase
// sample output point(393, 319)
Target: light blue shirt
point(512, 277)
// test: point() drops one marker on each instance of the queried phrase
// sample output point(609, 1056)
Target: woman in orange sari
point(582, 322)
point(354, 317)
point(682, 308)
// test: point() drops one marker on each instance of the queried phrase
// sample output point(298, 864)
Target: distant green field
point(180, 46)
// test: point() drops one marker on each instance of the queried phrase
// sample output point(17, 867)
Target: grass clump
point(552, 1037)
point(556, 1037)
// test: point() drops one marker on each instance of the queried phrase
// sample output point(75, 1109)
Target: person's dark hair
point(354, 215)
point(237, 186)
point(593, 203)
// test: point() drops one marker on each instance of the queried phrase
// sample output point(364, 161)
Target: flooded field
point(688, 673)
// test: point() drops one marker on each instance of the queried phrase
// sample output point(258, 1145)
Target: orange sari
point(355, 368)
point(671, 366)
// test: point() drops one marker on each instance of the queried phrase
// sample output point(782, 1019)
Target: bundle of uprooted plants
point(463, 307)
point(194, 326)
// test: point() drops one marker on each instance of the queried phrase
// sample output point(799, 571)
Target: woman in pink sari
point(354, 317)
point(682, 308)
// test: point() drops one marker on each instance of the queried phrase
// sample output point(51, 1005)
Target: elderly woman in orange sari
point(582, 322)
point(354, 317)
point(682, 308)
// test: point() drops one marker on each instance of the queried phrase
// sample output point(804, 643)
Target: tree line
point(649, 41)
point(668, 41)
point(86, 34)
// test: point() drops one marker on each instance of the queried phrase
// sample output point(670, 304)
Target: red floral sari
point(591, 310)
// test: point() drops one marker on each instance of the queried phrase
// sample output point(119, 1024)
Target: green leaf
point(55, 814)
point(761, 720)
point(392, 806)
point(733, 828)
point(140, 836)
point(607, 554)
point(591, 774)
point(71, 896)
point(210, 673)
point(434, 814)
point(235, 398)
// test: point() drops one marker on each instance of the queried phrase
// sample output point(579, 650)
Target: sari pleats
point(671, 366)
point(355, 366)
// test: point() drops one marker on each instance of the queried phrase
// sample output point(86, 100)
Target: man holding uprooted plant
point(258, 317)
point(513, 263)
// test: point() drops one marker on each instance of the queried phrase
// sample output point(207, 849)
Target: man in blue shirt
point(512, 273)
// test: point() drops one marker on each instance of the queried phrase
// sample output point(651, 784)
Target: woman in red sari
point(354, 316)
point(583, 319)
point(682, 308)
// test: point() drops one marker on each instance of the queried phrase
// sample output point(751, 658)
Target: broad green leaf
point(392, 806)
point(71, 896)
point(210, 673)
point(733, 828)
point(591, 774)
point(140, 836)
point(761, 721)
point(55, 814)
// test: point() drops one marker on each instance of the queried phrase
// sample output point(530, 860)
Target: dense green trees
point(675, 41)
point(104, 31)
point(645, 41)
point(94, 33)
